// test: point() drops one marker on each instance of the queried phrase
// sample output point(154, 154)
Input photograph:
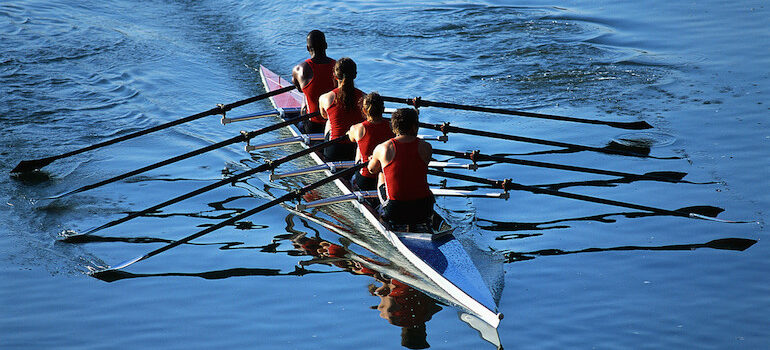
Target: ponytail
point(345, 72)
point(373, 106)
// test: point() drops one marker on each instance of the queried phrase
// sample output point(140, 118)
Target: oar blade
point(673, 176)
point(738, 244)
point(705, 210)
point(107, 274)
point(637, 150)
point(111, 275)
point(27, 166)
point(639, 125)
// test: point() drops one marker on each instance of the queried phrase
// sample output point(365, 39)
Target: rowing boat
point(442, 260)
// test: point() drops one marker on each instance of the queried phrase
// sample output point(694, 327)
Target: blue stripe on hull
point(458, 268)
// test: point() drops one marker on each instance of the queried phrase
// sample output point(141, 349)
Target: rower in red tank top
point(342, 108)
point(314, 77)
point(406, 175)
point(404, 162)
point(341, 118)
point(368, 134)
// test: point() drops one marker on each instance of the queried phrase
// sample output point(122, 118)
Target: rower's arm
point(356, 132)
point(375, 166)
point(298, 76)
point(426, 151)
point(324, 102)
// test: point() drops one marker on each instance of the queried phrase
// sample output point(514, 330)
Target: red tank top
point(374, 134)
point(406, 176)
point(321, 83)
point(340, 120)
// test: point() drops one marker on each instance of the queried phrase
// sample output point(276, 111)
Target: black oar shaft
point(263, 167)
point(289, 196)
point(418, 102)
point(446, 128)
point(507, 185)
point(475, 156)
point(29, 165)
point(239, 138)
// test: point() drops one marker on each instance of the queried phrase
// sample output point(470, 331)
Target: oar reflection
point(735, 244)
point(503, 226)
point(212, 275)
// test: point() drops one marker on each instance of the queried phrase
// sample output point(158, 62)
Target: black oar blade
point(705, 210)
point(110, 275)
point(673, 176)
point(640, 125)
point(27, 166)
point(738, 244)
point(638, 150)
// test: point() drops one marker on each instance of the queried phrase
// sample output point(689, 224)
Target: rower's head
point(405, 122)
point(345, 69)
point(345, 72)
point(373, 106)
point(316, 42)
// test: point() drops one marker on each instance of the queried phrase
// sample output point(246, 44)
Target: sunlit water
point(577, 275)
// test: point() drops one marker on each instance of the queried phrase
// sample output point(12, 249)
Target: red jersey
point(321, 83)
point(340, 119)
point(406, 176)
point(374, 134)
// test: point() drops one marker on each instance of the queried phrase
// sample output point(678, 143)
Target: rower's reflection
point(405, 307)
point(400, 304)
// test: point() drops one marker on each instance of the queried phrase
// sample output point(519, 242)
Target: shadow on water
point(735, 244)
point(401, 304)
point(405, 297)
point(115, 275)
point(498, 226)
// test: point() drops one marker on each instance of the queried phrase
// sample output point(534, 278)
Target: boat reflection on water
point(400, 304)
point(406, 298)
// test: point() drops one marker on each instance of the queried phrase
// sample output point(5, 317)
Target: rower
point(404, 191)
point(342, 108)
point(368, 134)
point(314, 77)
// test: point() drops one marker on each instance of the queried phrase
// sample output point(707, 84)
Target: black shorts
point(364, 183)
point(395, 212)
point(310, 127)
point(340, 151)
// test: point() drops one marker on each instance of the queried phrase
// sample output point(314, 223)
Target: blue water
point(577, 275)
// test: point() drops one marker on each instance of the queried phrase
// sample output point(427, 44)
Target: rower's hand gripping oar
point(510, 185)
point(419, 102)
point(268, 165)
point(244, 136)
point(26, 166)
point(296, 194)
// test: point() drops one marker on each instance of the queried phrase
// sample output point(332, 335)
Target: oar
point(665, 176)
point(509, 185)
point(446, 128)
point(34, 164)
point(289, 196)
point(244, 136)
point(418, 102)
point(269, 165)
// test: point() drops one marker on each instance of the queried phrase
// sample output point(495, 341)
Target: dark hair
point(404, 120)
point(345, 70)
point(373, 105)
point(316, 40)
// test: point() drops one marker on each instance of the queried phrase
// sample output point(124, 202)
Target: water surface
point(577, 275)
